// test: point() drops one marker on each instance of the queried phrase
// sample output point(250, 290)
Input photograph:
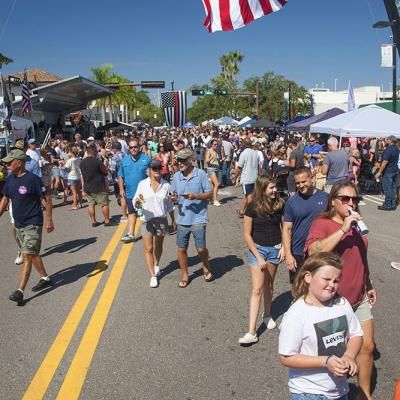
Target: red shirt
point(352, 249)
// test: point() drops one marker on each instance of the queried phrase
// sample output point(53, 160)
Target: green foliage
point(4, 60)
point(271, 94)
point(135, 100)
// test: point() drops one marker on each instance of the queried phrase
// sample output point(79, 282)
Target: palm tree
point(4, 60)
point(230, 67)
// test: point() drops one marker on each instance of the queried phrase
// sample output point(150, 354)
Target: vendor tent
point(246, 121)
point(21, 127)
point(370, 121)
point(387, 105)
point(263, 123)
point(225, 121)
point(304, 125)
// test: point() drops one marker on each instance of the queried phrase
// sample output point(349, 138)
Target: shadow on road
point(219, 266)
point(71, 275)
point(72, 246)
point(224, 200)
point(281, 304)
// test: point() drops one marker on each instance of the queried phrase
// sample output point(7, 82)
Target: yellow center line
point(80, 364)
point(50, 363)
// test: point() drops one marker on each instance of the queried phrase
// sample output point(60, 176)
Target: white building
point(325, 99)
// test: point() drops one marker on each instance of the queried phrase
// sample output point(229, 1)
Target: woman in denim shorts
point(262, 231)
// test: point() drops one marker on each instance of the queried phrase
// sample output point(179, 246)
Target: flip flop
point(183, 283)
point(209, 277)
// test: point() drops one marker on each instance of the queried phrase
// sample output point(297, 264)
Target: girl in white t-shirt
point(320, 335)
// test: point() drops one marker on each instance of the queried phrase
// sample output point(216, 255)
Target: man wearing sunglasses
point(312, 150)
point(191, 188)
point(133, 168)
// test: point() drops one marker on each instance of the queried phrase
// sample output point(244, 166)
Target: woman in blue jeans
point(262, 231)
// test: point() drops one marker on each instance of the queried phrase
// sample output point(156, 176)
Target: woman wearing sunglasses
point(337, 230)
point(153, 202)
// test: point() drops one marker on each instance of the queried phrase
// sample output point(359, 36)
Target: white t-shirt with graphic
point(317, 331)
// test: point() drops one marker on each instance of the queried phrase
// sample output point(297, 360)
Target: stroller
point(367, 181)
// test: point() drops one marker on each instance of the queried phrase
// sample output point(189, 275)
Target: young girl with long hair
point(320, 336)
point(262, 231)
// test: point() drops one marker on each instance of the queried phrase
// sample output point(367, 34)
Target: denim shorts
point(268, 253)
point(129, 205)
point(211, 171)
point(309, 396)
point(73, 182)
point(183, 235)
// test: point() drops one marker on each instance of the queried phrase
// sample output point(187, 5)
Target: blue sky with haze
point(308, 41)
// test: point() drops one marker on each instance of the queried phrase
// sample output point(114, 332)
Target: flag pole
point(6, 125)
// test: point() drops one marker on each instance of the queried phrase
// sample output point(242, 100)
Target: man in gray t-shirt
point(248, 168)
point(336, 164)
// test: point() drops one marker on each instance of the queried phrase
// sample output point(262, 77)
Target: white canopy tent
point(370, 121)
point(20, 126)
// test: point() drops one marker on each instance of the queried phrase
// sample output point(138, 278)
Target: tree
point(4, 60)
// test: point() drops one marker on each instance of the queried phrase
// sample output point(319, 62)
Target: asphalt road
point(102, 333)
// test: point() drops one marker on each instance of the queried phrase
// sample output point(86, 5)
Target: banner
point(387, 55)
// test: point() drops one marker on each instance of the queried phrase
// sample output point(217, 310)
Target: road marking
point(79, 367)
point(50, 363)
point(372, 199)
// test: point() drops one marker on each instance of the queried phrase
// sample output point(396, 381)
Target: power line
point(7, 20)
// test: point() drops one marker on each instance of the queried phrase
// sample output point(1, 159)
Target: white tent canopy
point(370, 121)
point(20, 126)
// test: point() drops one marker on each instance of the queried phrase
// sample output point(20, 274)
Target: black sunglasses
point(346, 199)
point(156, 168)
point(133, 147)
point(181, 160)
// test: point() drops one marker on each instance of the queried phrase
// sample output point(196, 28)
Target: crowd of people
point(300, 205)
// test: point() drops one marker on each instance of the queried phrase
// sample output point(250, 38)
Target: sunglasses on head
point(346, 199)
point(134, 147)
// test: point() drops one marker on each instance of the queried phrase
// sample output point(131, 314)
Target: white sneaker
point(269, 323)
point(393, 264)
point(19, 259)
point(217, 203)
point(157, 271)
point(248, 338)
point(153, 282)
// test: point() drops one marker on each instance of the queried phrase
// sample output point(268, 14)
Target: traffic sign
point(153, 84)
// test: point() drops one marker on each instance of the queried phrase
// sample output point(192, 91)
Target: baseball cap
point(15, 154)
point(32, 141)
point(19, 144)
point(90, 138)
point(155, 164)
point(116, 145)
point(184, 154)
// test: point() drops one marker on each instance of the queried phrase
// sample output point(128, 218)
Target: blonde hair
point(312, 265)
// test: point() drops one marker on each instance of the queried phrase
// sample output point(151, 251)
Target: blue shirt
point(301, 211)
point(191, 212)
point(313, 150)
point(26, 193)
point(391, 155)
point(132, 172)
point(32, 165)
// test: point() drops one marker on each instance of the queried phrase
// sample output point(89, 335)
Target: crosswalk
point(377, 199)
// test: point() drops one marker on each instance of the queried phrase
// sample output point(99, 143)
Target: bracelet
point(327, 359)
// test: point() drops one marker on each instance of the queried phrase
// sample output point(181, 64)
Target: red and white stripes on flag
point(26, 97)
point(226, 15)
point(174, 105)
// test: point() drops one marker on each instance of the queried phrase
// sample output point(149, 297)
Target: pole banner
point(387, 55)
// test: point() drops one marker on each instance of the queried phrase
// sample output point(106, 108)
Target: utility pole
point(258, 100)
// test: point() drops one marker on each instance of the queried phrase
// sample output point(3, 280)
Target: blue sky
point(308, 41)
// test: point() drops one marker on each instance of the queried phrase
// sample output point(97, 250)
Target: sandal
point(209, 277)
point(183, 283)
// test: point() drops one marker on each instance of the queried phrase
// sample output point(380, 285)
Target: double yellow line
point(80, 364)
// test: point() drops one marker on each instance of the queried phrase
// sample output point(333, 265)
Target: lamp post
point(336, 79)
point(386, 24)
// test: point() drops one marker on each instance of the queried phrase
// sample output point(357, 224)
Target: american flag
point(26, 96)
point(226, 15)
point(174, 105)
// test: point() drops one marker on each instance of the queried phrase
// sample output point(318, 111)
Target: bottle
point(138, 205)
point(359, 225)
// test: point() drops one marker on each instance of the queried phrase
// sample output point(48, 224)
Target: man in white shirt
point(247, 167)
point(32, 151)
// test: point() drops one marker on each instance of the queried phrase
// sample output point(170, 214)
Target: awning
point(69, 95)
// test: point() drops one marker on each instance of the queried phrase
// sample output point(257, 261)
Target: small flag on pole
point(174, 105)
point(226, 15)
point(8, 108)
point(26, 96)
point(351, 102)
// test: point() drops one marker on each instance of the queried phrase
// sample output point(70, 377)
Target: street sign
point(221, 92)
point(153, 84)
point(198, 92)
